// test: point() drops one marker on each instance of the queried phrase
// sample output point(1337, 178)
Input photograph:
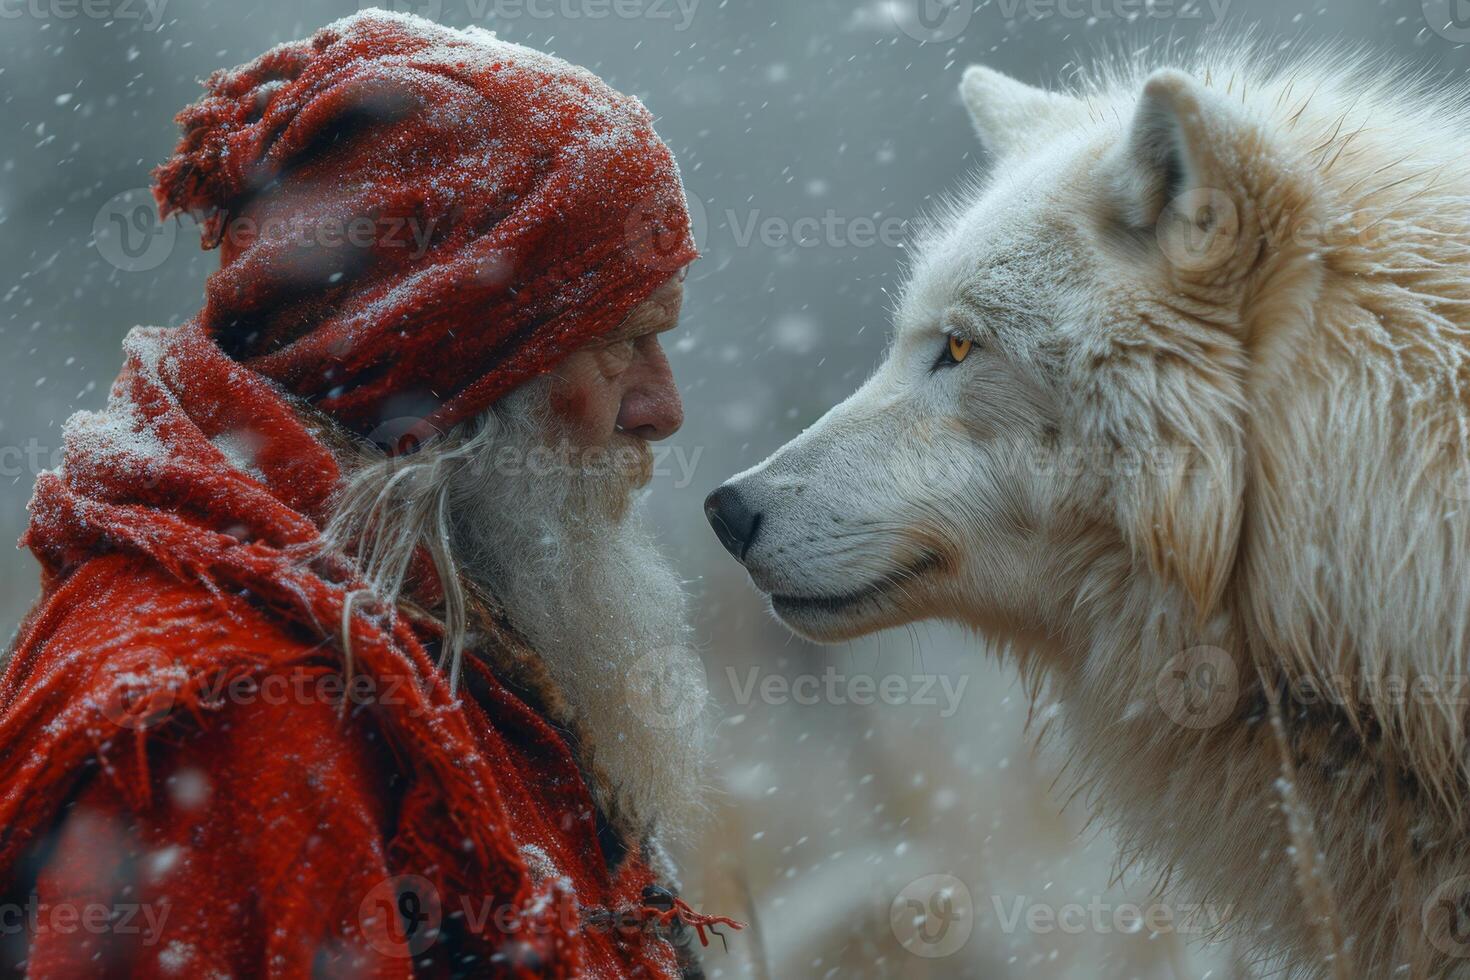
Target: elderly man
point(351, 658)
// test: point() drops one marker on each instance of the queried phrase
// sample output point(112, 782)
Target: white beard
point(582, 580)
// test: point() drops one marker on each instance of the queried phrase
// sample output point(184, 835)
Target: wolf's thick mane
point(1342, 574)
point(1376, 312)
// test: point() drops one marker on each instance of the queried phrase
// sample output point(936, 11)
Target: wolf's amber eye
point(956, 349)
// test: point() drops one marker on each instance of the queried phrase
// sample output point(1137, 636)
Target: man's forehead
point(659, 313)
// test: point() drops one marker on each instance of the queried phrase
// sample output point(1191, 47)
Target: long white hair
point(391, 506)
point(507, 505)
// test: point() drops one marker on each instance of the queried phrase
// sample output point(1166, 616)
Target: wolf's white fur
point(1217, 399)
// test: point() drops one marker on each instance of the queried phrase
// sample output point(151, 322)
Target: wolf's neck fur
point(1204, 797)
point(1348, 565)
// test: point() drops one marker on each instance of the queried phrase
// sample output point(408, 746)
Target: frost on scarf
point(176, 544)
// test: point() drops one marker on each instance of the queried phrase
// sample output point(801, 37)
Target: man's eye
point(955, 349)
point(615, 358)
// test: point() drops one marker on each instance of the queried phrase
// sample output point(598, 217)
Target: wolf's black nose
point(735, 521)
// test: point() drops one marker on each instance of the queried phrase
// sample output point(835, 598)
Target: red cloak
point(188, 784)
point(188, 789)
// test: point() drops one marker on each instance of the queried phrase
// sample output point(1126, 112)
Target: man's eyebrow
point(628, 330)
point(640, 322)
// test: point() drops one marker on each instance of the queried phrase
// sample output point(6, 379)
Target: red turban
point(417, 219)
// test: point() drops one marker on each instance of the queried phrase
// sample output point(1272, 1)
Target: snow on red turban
point(417, 219)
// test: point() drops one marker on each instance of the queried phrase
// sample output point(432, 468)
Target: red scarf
point(173, 750)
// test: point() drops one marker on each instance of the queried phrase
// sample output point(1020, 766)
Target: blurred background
point(910, 833)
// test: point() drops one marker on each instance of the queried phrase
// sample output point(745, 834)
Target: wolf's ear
point(1179, 141)
point(1008, 113)
point(1188, 174)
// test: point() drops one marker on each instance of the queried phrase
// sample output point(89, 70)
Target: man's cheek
point(591, 409)
point(569, 402)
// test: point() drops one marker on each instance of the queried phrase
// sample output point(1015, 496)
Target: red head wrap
point(417, 219)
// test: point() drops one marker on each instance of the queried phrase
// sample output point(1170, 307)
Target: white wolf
point(1175, 414)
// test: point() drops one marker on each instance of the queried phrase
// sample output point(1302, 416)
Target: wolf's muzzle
point(734, 520)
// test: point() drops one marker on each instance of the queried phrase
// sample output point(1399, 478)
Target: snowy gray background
point(777, 109)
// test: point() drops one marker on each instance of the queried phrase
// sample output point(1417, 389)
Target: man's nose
point(651, 408)
point(735, 521)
